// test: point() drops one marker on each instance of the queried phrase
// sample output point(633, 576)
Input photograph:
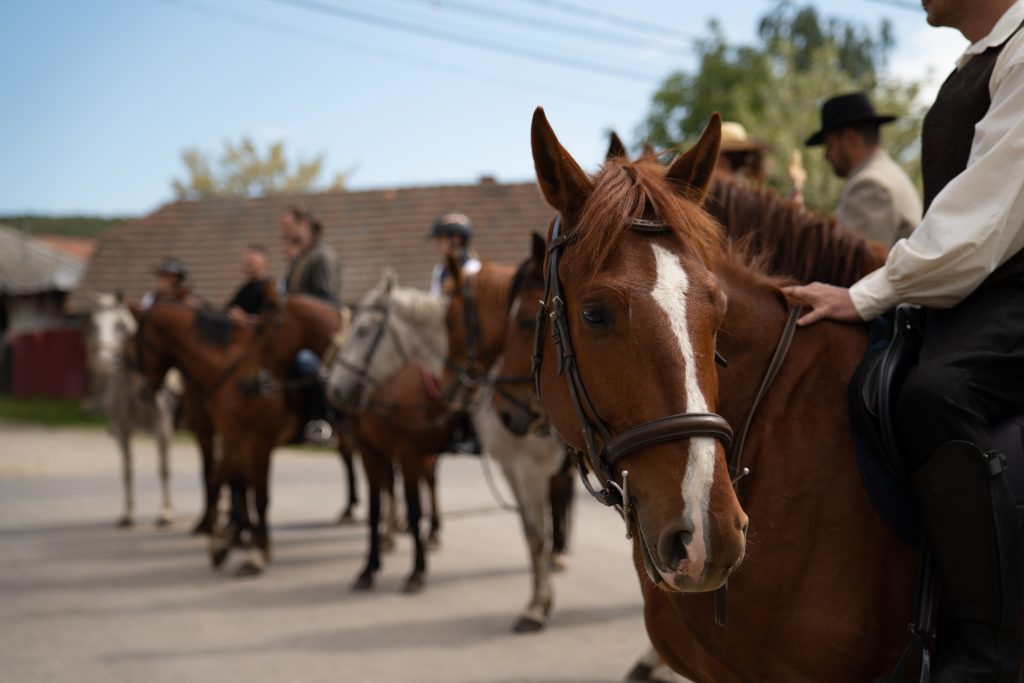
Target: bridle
point(362, 369)
point(605, 450)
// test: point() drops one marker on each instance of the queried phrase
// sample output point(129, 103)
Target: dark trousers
point(970, 372)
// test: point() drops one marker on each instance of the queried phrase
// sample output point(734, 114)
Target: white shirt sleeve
point(973, 226)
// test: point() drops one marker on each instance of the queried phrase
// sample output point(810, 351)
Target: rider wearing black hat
point(171, 282)
point(879, 200)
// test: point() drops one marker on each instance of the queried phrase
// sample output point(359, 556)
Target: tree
point(774, 89)
point(243, 171)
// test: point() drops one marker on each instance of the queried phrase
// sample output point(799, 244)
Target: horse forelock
point(418, 306)
point(626, 191)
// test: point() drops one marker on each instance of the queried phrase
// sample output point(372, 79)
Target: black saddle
point(873, 391)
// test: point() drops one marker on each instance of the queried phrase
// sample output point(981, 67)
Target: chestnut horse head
point(635, 309)
point(518, 405)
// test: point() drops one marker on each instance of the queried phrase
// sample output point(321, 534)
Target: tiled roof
point(27, 266)
point(369, 229)
point(79, 248)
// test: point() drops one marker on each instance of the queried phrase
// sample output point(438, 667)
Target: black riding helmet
point(452, 224)
point(172, 266)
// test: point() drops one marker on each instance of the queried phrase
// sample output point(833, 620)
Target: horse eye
point(595, 317)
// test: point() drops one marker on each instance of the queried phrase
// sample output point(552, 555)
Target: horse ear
point(616, 150)
point(564, 184)
point(691, 173)
point(538, 248)
point(454, 268)
point(649, 154)
point(388, 280)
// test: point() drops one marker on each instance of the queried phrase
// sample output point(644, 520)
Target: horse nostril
point(506, 419)
point(672, 547)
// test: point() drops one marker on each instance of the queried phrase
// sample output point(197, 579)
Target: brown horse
point(647, 293)
point(240, 375)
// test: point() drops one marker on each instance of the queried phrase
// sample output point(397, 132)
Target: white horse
point(397, 325)
point(124, 399)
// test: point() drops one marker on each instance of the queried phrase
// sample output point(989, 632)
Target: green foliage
point(70, 226)
point(51, 412)
point(243, 170)
point(775, 88)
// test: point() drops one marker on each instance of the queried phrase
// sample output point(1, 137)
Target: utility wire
point(899, 4)
point(563, 28)
point(466, 40)
point(618, 20)
point(253, 21)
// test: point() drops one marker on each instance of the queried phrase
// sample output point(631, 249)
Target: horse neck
point(748, 338)
point(423, 331)
point(202, 362)
point(491, 290)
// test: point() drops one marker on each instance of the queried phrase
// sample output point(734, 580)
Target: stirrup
point(318, 431)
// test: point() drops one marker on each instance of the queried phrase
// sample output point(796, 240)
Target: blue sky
point(101, 96)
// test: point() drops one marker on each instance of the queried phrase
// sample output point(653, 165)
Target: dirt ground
point(85, 601)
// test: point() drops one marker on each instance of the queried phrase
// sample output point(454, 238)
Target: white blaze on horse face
point(669, 293)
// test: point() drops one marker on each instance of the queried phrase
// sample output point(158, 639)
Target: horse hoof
point(559, 563)
point(414, 584)
point(363, 584)
point(528, 625)
point(346, 517)
point(640, 673)
point(164, 521)
point(124, 522)
point(202, 528)
point(434, 543)
point(218, 556)
point(239, 540)
point(249, 568)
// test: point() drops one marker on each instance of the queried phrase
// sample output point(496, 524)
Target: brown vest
point(948, 132)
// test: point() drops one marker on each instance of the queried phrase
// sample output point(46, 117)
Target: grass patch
point(51, 412)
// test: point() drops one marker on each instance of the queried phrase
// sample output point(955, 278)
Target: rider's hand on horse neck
point(827, 302)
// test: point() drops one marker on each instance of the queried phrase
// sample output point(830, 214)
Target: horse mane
point(214, 327)
point(418, 306)
point(786, 240)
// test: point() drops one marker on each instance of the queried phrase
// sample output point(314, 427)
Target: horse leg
point(259, 475)
point(378, 470)
point(387, 543)
point(239, 513)
point(204, 437)
point(164, 430)
point(124, 442)
point(412, 464)
point(562, 494)
point(531, 487)
point(650, 668)
point(345, 453)
point(220, 537)
point(430, 475)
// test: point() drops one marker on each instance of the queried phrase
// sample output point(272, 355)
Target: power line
point(899, 4)
point(617, 20)
point(466, 40)
point(562, 28)
point(253, 21)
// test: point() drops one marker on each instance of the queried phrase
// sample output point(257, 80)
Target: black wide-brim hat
point(846, 110)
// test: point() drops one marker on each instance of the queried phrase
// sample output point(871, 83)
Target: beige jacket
point(879, 200)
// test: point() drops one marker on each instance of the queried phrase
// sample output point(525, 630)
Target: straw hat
point(735, 139)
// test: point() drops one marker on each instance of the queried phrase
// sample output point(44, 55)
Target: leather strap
point(662, 430)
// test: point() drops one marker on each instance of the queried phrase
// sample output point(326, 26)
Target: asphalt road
point(81, 600)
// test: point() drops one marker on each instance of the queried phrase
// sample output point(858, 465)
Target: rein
point(605, 450)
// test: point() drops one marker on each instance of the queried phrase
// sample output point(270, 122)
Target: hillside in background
point(70, 226)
